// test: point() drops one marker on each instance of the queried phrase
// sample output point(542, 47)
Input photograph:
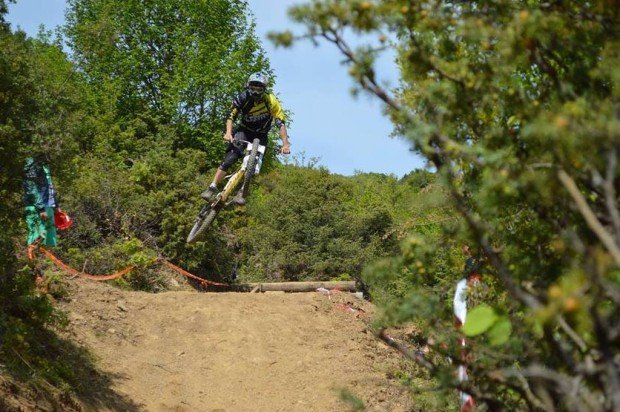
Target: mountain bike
point(251, 165)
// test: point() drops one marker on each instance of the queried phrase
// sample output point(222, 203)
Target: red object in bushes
point(62, 220)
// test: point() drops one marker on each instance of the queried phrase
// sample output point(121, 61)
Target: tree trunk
point(344, 286)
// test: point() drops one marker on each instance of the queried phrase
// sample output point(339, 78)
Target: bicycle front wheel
point(250, 169)
point(203, 221)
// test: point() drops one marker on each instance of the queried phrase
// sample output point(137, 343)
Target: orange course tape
point(31, 249)
point(115, 275)
point(189, 275)
point(72, 271)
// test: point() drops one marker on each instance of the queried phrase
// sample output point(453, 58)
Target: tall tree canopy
point(164, 74)
point(3, 10)
point(178, 61)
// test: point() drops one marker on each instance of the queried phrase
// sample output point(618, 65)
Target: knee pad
point(230, 158)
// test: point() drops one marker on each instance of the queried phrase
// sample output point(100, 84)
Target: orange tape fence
point(68, 269)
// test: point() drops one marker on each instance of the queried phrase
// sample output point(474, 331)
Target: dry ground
point(196, 351)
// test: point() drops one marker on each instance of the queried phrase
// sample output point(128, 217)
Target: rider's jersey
point(257, 115)
point(38, 187)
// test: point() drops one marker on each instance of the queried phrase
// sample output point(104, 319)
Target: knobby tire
point(250, 169)
point(201, 225)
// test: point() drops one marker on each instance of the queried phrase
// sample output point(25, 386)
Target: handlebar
point(239, 143)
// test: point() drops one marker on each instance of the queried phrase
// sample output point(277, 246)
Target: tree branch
point(589, 216)
point(490, 400)
point(367, 80)
point(414, 356)
point(480, 233)
point(562, 384)
point(612, 381)
point(610, 192)
point(523, 387)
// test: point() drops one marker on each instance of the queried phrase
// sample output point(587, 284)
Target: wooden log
point(345, 286)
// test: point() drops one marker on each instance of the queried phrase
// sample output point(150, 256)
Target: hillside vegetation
point(514, 104)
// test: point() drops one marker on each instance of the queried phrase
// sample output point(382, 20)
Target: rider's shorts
point(234, 153)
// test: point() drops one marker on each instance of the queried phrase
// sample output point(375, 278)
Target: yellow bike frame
point(232, 184)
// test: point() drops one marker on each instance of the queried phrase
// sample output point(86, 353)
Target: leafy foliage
point(43, 104)
point(515, 104)
point(3, 10)
point(175, 62)
point(305, 223)
point(127, 170)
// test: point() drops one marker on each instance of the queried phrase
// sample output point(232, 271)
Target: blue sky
point(347, 134)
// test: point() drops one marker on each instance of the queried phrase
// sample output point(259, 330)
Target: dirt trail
point(192, 351)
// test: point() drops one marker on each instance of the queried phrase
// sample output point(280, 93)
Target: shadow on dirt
point(57, 374)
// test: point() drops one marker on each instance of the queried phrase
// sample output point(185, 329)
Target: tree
point(515, 103)
point(16, 88)
point(164, 74)
point(307, 224)
point(43, 106)
point(173, 62)
point(3, 10)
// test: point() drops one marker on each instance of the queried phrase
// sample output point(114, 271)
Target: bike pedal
point(239, 200)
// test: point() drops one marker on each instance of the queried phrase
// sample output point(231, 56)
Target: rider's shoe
point(209, 194)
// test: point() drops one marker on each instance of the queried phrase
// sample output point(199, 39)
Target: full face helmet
point(257, 84)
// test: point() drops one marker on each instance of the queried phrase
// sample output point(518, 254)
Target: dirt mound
point(193, 351)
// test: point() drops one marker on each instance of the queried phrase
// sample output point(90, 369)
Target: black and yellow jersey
point(257, 115)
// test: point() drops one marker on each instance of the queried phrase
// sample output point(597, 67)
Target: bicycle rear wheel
point(203, 221)
point(250, 169)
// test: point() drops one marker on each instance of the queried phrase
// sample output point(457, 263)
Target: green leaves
point(500, 331)
point(305, 223)
point(479, 320)
point(484, 319)
point(177, 61)
point(283, 39)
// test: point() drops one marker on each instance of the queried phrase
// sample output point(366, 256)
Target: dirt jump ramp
point(274, 351)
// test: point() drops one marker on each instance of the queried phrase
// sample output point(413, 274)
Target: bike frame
point(237, 177)
point(209, 211)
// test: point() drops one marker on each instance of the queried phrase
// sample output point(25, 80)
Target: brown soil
point(196, 351)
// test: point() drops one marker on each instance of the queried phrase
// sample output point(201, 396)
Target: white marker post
point(460, 312)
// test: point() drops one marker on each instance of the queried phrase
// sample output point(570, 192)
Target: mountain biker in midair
point(257, 109)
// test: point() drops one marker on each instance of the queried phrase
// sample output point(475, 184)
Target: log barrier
point(343, 286)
